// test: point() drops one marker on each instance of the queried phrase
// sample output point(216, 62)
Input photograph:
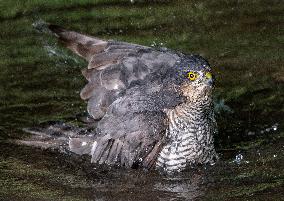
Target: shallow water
point(41, 81)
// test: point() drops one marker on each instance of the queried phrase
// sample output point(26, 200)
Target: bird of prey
point(154, 107)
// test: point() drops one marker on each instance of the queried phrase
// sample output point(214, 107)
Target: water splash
point(272, 128)
point(220, 106)
point(41, 26)
point(157, 44)
point(239, 159)
point(53, 51)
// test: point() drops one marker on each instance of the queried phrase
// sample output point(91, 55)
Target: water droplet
point(238, 159)
point(275, 127)
point(250, 133)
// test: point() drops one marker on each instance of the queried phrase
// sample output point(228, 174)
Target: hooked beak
point(209, 79)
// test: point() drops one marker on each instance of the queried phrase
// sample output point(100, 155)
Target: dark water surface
point(41, 81)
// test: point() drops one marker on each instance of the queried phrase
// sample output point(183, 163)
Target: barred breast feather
point(190, 138)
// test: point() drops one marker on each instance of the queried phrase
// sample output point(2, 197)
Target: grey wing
point(113, 67)
point(134, 127)
point(129, 140)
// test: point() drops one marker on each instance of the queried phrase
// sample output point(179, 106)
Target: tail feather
point(67, 138)
point(60, 136)
point(81, 145)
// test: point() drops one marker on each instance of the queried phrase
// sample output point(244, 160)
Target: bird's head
point(195, 77)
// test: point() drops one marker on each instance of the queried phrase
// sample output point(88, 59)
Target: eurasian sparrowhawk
point(153, 106)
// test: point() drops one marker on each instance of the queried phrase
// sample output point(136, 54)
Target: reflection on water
point(187, 186)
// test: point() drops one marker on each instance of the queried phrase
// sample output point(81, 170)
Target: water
point(41, 81)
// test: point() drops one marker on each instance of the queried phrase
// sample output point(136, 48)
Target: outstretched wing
point(133, 131)
point(127, 90)
point(113, 67)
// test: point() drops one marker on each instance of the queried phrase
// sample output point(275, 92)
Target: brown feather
point(88, 91)
point(104, 59)
point(150, 160)
point(82, 45)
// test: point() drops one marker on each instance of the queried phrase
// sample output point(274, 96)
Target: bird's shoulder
point(135, 75)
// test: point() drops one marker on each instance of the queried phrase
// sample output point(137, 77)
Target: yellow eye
point(192, 76)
